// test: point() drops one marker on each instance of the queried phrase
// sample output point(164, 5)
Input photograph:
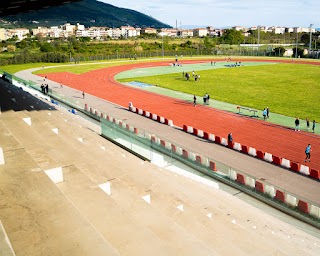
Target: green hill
point(87, 12)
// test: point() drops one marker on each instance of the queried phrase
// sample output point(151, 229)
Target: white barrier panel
point(212, 137)
point(250, 182)
point(133, 109)
point(192, 156)
point(205, 162)
point(270, 191)
point(140, 112)
point(147, 114)
point(252, 151)
point(170, 123)
point(285, 163)
point(304, 169)
point(224, 142)
point(158, 141)
point(200, 133)
point(55, 174)
point(1, 157)
point(179, 150)
point(131, 129)
point(154, 117)
point(291, 200)
point(233, 175)
point(237, 146)
point(168, 145)
point(315, 211)
point(268, 157)
point(162, 120)
point(190, 129)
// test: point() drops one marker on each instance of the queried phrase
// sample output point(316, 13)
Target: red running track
point(274, 139)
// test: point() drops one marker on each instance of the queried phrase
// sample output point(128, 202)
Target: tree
point(232, 36)
point(279, 51)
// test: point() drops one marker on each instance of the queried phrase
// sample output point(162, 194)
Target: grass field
point(287, 89)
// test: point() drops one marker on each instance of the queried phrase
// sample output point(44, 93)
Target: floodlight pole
point(310, 43)
point(258, 38)
point(297, 45)
point(162, 48)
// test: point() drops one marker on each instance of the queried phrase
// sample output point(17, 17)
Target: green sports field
point(288, 89)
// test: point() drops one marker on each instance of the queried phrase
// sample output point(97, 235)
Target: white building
point(200, 32)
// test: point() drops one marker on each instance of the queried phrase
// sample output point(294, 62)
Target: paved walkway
point(285, 179)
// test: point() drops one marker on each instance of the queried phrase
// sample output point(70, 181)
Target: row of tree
point(38, 49)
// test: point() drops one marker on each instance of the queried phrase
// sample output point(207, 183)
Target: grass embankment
point(288, 89)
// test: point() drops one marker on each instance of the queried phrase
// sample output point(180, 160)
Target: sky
point(228, 13)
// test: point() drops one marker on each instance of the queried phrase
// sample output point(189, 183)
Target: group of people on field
point(297, 124)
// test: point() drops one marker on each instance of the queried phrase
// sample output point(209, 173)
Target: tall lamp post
point(162, 48)
point(258, 38)
point(297, 44)
point(310, 43)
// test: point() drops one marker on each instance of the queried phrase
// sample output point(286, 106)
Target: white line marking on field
point(209, 215)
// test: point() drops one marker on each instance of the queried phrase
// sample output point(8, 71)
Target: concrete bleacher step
point(29, 197)
point(114, 223)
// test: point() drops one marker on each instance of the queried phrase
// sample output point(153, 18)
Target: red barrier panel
point(128, 127)
point(199, 159)
point(90, 109)
point(195, 131)
point(153, 138)
point(101, 115)
point(230, 144)
point(185, 153)
point(108, 118)
point(303, 206)
point(185, 128)
point(163, 143)
point(315, 174)
point(158, 118)
point(259, 186)
point(173, 147)
point(86, 106)
point(206, 135)
point(166, 121)
point(244, 149)
point(217, 140)
point(295, 166)
point(96, 112)
point(137, 110)
point(144, 113)
point(135, 130)
point(213, 166)
point(240, 179)
point(276, 160)
point(279, 196)
point(260, 154)
point(120, 123)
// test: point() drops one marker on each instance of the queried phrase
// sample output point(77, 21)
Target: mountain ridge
point(86, 12)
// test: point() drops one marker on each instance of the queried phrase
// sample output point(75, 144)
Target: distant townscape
point(79, 30)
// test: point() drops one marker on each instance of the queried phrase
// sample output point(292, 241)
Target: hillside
point(87, 12)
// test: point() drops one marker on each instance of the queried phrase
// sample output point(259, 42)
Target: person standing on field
point(313, 125)
point(297, 123)
point(194, 100)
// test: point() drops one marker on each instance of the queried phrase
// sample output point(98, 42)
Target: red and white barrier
point(224, 142)
point(285, 163)
point(291, 200)
point(154, 117)
point(269, 190)
point(304, 169)
point(190, 129)
point(268, 157)
point(237, 146)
